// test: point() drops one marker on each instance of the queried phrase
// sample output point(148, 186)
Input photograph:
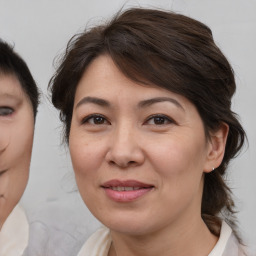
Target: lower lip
point(126, 196)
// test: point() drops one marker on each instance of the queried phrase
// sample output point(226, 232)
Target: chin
point(128, 224)
point(129, 229)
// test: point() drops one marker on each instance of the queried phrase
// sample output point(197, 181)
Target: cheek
point(86, 159)
point(20, 156)
point(177, 155)
point(179, 167)
point(21, 141)
point(17, 158)
point(4, 137)
point(86, 156)
point(4, 183)
point(178, 161)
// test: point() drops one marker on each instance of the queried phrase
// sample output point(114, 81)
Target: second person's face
point(16, 138)
point(138, 152)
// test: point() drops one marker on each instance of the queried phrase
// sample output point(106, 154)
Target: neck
point(192, 239)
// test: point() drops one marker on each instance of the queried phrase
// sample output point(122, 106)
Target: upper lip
point(125, 183)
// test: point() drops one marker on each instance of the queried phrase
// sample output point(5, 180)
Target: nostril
point(112, 162)
point(122, 164)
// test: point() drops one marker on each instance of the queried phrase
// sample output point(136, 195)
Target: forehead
point(10, 86)
point(104, 78)
point(103, 74)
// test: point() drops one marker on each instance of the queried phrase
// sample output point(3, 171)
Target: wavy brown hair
point(171, 51)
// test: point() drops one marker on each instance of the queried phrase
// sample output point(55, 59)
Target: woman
point(18, 108)
point(145, 100)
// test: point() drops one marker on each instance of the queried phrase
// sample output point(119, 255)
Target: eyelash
point(6, 111)
point(162, 117)
point(103, 120)
point(93, 117)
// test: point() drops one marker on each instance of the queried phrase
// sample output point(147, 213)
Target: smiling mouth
point(124, 188)
point(126, 191)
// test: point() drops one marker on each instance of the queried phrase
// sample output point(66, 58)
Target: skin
point(128, 142)
point(16, 138)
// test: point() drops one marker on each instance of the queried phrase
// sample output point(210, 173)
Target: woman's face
point(16, 137)
point(138, 152)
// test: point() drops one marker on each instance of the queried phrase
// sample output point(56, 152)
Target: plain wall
point(40, 31)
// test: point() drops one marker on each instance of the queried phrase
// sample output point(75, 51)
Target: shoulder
point(233, 247)
point(98, 243)
point(228, 244)
point(59, 228)
point(13, 241)
point(225, 234)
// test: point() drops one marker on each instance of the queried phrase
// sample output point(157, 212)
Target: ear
point(216, 147)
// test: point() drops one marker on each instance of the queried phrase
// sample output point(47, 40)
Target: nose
point(124, 148)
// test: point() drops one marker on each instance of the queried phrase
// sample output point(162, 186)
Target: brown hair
point(171, 51)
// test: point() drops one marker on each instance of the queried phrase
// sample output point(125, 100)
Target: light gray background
point(40, 31)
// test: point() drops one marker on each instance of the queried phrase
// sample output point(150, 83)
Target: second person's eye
point(5, 111)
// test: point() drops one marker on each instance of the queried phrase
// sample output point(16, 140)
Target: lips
point(126, 191)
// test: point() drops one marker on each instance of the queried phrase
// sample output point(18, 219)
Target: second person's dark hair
point(12, 64)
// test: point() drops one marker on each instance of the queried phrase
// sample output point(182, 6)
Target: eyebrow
point(7, 95)
point(142, 104)
point(93, 100)
point(149, 102)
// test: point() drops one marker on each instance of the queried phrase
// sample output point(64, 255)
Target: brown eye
point(159, 120)
point(95, 120)
point(98, 120)
point(5, 111)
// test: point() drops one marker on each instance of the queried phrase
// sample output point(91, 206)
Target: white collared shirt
point(14, 233)
point(227, 244)
point(99, 243)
